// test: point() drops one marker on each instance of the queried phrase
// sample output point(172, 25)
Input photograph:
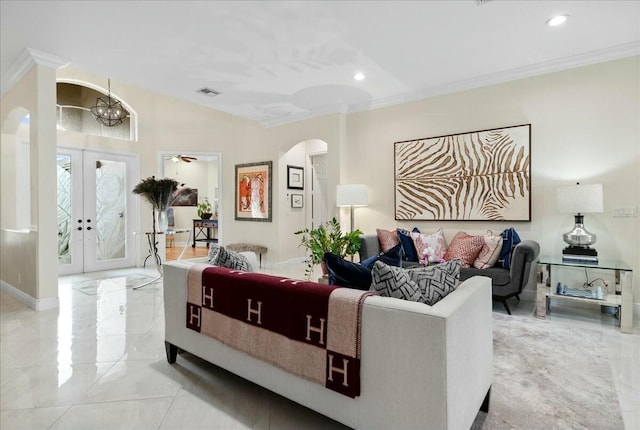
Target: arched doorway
point(311, 155)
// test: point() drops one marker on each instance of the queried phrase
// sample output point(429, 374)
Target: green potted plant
point(328, 237)
point(204, 209)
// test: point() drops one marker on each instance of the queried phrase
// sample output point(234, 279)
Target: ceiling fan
point(180, 157)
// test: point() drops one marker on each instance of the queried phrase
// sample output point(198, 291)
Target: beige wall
point(585, 126)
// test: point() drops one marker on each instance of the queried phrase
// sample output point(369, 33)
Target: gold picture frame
point(253, 191)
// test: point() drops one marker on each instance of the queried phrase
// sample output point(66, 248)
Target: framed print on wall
point(186, 198)
point(253, 192)
point(297, 200)
point(295, 177)
point(475, 176)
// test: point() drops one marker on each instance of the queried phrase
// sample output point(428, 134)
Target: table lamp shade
point(352, 195)
point(580, 199)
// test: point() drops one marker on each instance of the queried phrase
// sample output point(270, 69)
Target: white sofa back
point(421, 366)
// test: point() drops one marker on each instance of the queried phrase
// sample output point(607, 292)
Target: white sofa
point(422, 367)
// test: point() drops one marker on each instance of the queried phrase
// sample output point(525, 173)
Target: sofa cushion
point(498, 275)
point(387, 239)
point(464, 247)
point(425, 285)
point(346, 273)
point(489, 253)
point(435, 241)
point(408, 247)
point(510, 239)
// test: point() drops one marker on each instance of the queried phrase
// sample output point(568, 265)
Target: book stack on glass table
point(580, 254)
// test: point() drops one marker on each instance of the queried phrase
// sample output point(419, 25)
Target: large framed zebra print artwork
point(475, 176)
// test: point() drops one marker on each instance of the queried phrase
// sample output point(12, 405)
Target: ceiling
point(282, 61)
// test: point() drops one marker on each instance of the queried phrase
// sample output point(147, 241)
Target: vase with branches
point(328, 237)
point(160, 193)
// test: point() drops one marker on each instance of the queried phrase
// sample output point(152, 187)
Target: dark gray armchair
point(510, 283)
point(506, 283)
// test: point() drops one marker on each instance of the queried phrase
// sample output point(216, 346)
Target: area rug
point(93, 286)
point(549, 376)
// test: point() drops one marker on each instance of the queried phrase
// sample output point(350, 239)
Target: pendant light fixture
point(108, 111)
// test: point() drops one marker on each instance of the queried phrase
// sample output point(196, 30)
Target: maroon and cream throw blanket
point(308, 329)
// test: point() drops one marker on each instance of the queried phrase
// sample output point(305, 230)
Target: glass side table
point(622, 297)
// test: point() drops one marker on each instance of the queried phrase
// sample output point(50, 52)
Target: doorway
point(318, 190)
point(96, 210)
point(202, 172)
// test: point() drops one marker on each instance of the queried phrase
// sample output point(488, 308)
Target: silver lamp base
point(579, 236)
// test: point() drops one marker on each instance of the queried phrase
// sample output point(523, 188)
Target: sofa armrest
point(525, 254)
point(369, 246)
point(438, 359)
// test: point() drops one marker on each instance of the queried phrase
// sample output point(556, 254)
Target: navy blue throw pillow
point(391, 257)
point(409, 248)
point(346, 273)
point(510, 239)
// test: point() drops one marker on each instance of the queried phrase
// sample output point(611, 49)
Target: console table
point(621, 297)
point(202, 231)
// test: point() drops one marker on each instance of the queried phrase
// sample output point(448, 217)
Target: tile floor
point(98, 362)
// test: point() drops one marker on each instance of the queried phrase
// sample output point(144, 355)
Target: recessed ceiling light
point(359, 76)
point(557, 20)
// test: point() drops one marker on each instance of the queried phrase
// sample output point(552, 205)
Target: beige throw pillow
point(490, 252)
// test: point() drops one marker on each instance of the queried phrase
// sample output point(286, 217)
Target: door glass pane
point(110, 209)
point(64, 209)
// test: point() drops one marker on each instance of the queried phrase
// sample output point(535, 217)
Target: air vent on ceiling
point(208, 92)
point(481, 2)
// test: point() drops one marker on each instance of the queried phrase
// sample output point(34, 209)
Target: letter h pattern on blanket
point(264, 315)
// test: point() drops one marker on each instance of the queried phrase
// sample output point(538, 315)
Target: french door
point(95, 211)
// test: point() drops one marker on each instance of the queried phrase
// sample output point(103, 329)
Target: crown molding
point(572, 62)
point(25, 61)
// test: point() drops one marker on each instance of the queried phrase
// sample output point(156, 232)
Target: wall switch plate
point(625, 211)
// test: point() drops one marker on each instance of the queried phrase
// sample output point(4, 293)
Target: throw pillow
point(392, 257)
point(214, 251)
point(408, 248)
point(388, 239)
point(510, 239)
point(490, 251)
point(435, 241)
point(346, 273)
point(465, 248)
point(425, 285)
point(233, 260)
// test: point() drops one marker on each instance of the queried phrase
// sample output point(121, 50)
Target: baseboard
point(283, 264)
point(27, 300)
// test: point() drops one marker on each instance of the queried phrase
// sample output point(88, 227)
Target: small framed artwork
point(297, 200)
point(185, 197)
point(253, 191)
point(295, 178)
